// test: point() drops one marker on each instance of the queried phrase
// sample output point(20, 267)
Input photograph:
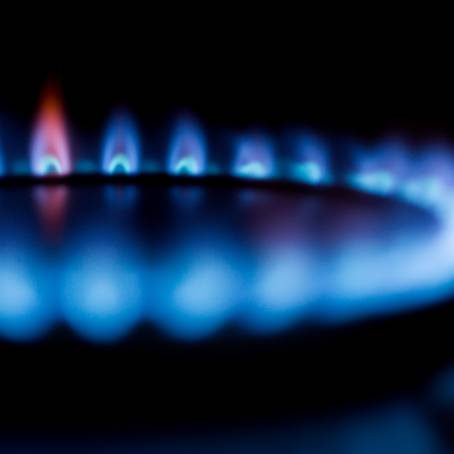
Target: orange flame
point(50, 152)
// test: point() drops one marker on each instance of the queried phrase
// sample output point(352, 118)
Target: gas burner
point(265, 234)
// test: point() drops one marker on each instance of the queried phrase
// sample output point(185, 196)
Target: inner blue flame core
point(374, 181)
point(187, 153)
point(378, 169)
point(121, 147)
point(50, 165)
point(311, 160)
point(254, 157)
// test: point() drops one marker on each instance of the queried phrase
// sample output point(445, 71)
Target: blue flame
point(2, 161)
point(378, 169)
point(378, 182)
point(187, 153)
point(254, 157)
point(424, 191)
point(201, 298)
point(23, 314)
point(310, 164)
point(430, 177)
point(102, 291)
point(283, 287)
point(102, 300)
point(50, 165)
point(121, 148)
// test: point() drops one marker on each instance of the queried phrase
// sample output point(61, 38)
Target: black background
point(239, 68)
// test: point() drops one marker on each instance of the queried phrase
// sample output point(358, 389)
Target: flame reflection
point(52, 203)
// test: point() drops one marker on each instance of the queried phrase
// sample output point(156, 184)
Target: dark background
point(237, 68)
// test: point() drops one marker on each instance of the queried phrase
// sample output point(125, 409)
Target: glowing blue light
point(378, 182)
point(102, 296)
point(430, 178)
point(308, 172)
point(2, 162)
point(253, 170)
point(103, 292)
point(120, 164)
point(378, 169)
point(187, 154)
point(121, 148)
point(50, 165)
point(283, 290)
point(367, 281)
point(310, 164)
point(424, 191)
point(23, 316)
point(86, 166)
point(254, 158)
point(202, 299)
